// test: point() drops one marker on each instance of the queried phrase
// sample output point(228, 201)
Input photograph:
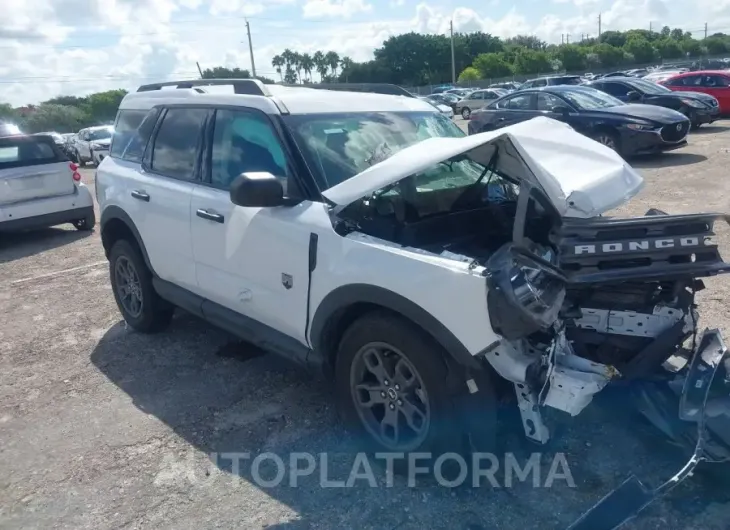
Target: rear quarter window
point(24, 151)
point(132, 131)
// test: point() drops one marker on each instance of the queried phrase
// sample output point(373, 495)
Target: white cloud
point(334, 8)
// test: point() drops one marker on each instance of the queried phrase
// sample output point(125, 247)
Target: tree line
point(65, 114)
point(414, 59)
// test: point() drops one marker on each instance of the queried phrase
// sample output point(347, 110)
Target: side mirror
point(560, 109)
point(633, 96)
point(259, 189)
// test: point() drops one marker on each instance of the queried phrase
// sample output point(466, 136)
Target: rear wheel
point(86, 224)
point(139, 303)
point(465, 113)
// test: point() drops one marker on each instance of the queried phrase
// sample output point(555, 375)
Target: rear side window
point(132, 132)
point(23, 151)
point(176, 144)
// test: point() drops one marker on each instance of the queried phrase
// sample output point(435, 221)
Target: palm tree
point(346, 63)
point(277, 62)
point(297, 65)
point(307, 65)
point(320, 64)
point(333, 60)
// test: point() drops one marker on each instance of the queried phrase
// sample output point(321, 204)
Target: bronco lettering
point(644, 245)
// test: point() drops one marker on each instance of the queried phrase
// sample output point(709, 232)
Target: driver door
point(251, 261)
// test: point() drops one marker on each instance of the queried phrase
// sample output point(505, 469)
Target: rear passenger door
point(252, 261)
point(517, 108)
point(160, 194)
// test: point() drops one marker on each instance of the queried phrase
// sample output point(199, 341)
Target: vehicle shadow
point(661, 160)
point(226, 398)
point(18, 245)
point(712, 129)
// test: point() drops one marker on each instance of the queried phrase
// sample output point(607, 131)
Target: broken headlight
point(525, 291)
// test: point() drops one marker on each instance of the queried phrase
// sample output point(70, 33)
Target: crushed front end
point(629, 318)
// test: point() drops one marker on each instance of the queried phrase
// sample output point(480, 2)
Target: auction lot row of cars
point(426, 274)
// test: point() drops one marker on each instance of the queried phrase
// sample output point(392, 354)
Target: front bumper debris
point(705, 396)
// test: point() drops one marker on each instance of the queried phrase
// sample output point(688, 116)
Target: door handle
point(210, 216)
point(141, 195)
point(501, 119)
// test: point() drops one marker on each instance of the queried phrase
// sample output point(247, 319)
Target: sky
point(76, 47)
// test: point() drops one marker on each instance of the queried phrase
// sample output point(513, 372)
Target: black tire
point(466, 113)
point(608, 138)
point(694, 126)
point(91, 157)
point(80, 161)
point(446, 397)
point(86, 224)
point(155, 313)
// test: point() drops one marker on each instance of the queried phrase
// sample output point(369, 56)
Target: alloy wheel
point(390, 397)
point(465, 113)
point(606, 140)
point(129, 286)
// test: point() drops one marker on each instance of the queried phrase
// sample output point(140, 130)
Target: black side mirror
point(633, 96)
point(560, 109)
point(259, 189)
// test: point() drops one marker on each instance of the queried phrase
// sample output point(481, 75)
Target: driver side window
point(244, 142)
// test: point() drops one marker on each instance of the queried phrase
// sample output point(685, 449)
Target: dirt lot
point(101, 427)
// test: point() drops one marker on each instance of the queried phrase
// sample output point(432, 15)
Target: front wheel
point(466, 113)
point(394, 393)
point(608, 139)
point(139, 303)
point(80, 161)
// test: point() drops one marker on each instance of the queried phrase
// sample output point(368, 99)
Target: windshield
point(339, 146)
point(100, 134)
point(648, 87)
point(590, 98)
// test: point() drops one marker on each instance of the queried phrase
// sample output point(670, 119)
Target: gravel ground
point(101, 427)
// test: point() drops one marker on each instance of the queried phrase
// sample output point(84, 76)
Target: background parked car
point(446, 110)
point(627, 129)
point(699, 108)
point(658, 77)
point(552, 81)
point(715, 83)
point(460, 92)
point(9, 129)
point(57, 138)
point(509, 86)
point(92, 143)
point(448, 99)
point(477, 100)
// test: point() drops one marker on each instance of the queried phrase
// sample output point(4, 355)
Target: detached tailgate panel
point(32, 168)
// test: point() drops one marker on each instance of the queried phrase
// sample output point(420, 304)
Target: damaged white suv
point(366, 237)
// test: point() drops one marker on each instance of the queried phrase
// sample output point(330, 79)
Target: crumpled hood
point(581, 177)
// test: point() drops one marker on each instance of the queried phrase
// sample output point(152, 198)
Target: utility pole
point(599, 26)
point(650, 26)
point(199, 70)
point(705, 29)
point(453, 61)
point(250, 49)
point(562, 38)
point(567, 38)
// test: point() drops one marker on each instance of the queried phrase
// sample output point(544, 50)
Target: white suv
point(365, 236)
point(92, 144)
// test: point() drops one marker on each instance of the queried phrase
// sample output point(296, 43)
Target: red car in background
point(715, 83)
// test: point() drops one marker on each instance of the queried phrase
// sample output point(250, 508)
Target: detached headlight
point(524, 295)
point(693, 103)
point(639, 126)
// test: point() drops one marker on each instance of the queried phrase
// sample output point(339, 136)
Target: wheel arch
point(341, 307)
point(116, 224)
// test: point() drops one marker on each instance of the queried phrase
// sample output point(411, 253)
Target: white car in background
point(40, 187)
point(92, 144)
